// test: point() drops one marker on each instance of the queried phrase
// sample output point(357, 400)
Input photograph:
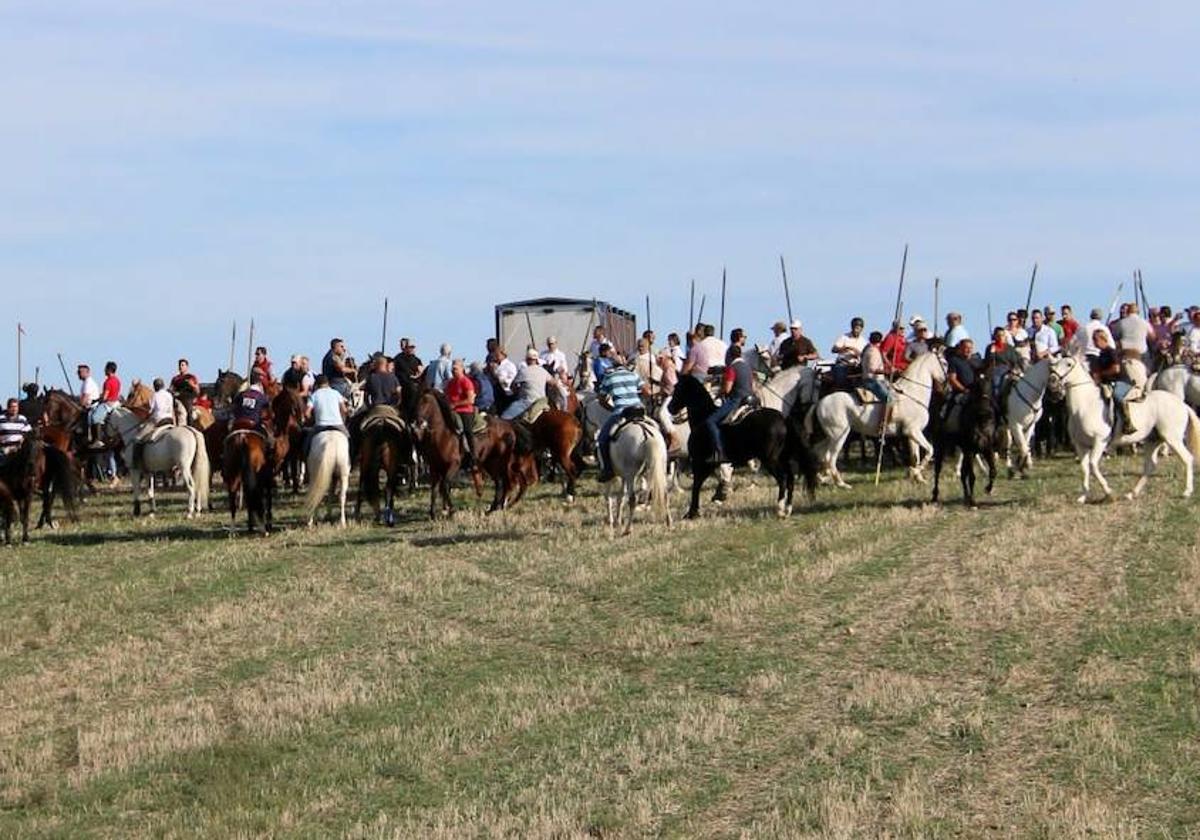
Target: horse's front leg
point(939, 455)
point(967, 477)
point(24, 508)
point(699, 474)
point(150, 492)
point(991, 466)
point(135, 477)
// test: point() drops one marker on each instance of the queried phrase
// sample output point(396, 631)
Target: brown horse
point(248, 474)
point(385, 446)
point(559, 433)
point(34, 468)
point(64, 426)
point(287, 412)
point(498, 453)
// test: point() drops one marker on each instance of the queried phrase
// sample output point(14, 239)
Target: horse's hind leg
point(967, 476)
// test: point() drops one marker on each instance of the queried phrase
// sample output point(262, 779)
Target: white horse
point(1180, 381)
point(638, 451)
point(1022, 410)
point(677, 444)
point(783, 390)
point(840, 413)
point(1092, 431)
point(328, 454)
point(172, 447)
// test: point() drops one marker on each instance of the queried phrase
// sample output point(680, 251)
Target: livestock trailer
point(570, 320)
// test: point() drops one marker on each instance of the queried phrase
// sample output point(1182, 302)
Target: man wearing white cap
point(529, 386)
point(779, 332)
point(553, 359)
point(796, 349)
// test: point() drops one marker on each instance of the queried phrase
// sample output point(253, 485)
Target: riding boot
point(94, 441)
point(1127, 419)
point(468, 450)
point(606, 471)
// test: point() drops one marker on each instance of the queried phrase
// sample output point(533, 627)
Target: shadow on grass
point(477, 537)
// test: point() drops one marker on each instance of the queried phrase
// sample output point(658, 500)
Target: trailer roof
point(552, 302)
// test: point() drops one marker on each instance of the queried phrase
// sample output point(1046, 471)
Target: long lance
point(722, 329)
point(529, 326)
point(1137, 297)
point(891, 383)
point(692, 307)
point(250, 350)
point(1112, 307)
point(232, 344)
point(383, 339)
point(787, 295)
point(900, 291)
point(700, 315)
point(648, 313)
point(1029, 296)
point(1142, 289)
point(587, 334)
point(20, 332)
point(990, 323)
point(62, 366)
point(937, 287)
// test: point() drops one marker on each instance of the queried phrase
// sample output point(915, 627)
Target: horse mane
point(443, 405)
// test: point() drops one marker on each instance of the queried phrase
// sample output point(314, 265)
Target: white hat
point(916, 319)
point(552, 340)
point(796, 325)
point(531, 355)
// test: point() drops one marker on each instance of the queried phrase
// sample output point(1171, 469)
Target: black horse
point(31, 469)
point(973, 433)
point(764, 434)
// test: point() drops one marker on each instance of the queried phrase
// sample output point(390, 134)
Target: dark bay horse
point(503, 454)
point(287, 417)
point(764, 434)
point(385, 446)
point(30, 469)
point(248, 473)
point(973, 434)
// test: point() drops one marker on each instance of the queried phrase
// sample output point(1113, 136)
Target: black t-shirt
point(381, 388)
point(330, 367)
point(964, 369)
point(1104, 360)
point(408, 366)
point(790, 350)
point(293, 378)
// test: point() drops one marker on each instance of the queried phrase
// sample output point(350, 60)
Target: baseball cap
point(796, 325)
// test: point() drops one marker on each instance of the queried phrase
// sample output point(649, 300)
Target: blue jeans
point(1121, 390)
point(99, 412)
point(516, 408)
point(877, 387)
point(342, 386)
point(713, 422)
point(605, 437)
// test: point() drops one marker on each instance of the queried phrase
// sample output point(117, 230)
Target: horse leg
point(991, 468)
point(150, 493)
point(1097, 456)
point(1178, 447)
point(613, 502)
point(939, 455)
point(434, 488)
point(967, 477)
point(833, 450)
point(343, 488)
point(629, 490)
point(700, 472)
point(23, 505)
point(135, 478)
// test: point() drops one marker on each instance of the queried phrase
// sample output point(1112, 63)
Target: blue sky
point(170, 167)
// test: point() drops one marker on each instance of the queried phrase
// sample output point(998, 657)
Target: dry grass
point(872, 667)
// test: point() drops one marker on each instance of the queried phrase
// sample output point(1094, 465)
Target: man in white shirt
point(955, 331)
point(505, 370)
point(1084, 337)
point(675, 347)
point(849, 349)
point(162, 406)
point(89, 391)
point(553, 359)
point(779, 332)
point(1193, 334)
point(327, 409)
point(1045, 339)
point(1018, 338)
point(646, 365)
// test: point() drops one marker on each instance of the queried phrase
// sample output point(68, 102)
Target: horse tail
point(656, 472)
point(201, 470)
point(63, 479)
point(1193, 434)
point(810, 424)
point(320, 475)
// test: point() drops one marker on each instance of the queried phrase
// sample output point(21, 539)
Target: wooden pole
point(232, 344)
point(721, 331)
point(700, 315)
point(250, 349)
point(20, 332)
point(900, 291)
point(1112, 307)
point(1029, 296)
point(383, 340)
point(692, 308)
point(991, 325)
point(937, 287)
point(787, 294)
point(1142, 288)
point(1137, 297)
point(66, 378)
point(37, 376)
point(647, 312)
point(529, 325)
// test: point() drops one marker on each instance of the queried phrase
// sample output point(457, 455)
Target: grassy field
point(872, 666)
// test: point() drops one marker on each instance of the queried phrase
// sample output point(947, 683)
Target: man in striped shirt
point(623, 388)
point(13, 428)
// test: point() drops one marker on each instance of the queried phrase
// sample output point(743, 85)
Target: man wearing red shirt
point(894, 346)
point(460, 391)
point(1068, 323)
point(263, 365)
point(110, 398)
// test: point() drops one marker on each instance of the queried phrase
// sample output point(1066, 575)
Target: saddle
point(540, 406)
point(630, 415)
point(864, 396)
point(382, 414)
point(479, 423)
point(742, 412)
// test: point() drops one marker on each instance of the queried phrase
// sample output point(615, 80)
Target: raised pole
point(787, 294)
point(383, 339)
point(20, 332)
point(232, 344)
point(722, 327)
point(250, 350)
point(1029, 296)
point(63, 367)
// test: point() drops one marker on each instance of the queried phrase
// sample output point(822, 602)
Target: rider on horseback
point(327, 409)
point(623, 388)
point(251, 409)
point(737, 386)
point(529, 386)
point(110, 398)
point(13, 429)
point(460, 392)
point(1106, 372)
point(162, 413)
point(960, 376)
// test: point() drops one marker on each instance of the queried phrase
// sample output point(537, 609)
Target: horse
point(173, 447)
point(34, 467)
point(497, 453)
point(227, 386)
point(248, 473)
point(676, 435)
point(787, 389)
point(1179, 380)
point(385, 445)
point(638, 451)
point(1093, 432)
point(287, 413)
point(1022, 410)
point(764, 434)
point(558, 433)
point(328, 455)
point(973, 434)
point(840, 413)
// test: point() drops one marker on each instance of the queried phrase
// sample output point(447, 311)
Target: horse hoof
point(1082, 499)
point(692, 514)
point(1130, 496)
